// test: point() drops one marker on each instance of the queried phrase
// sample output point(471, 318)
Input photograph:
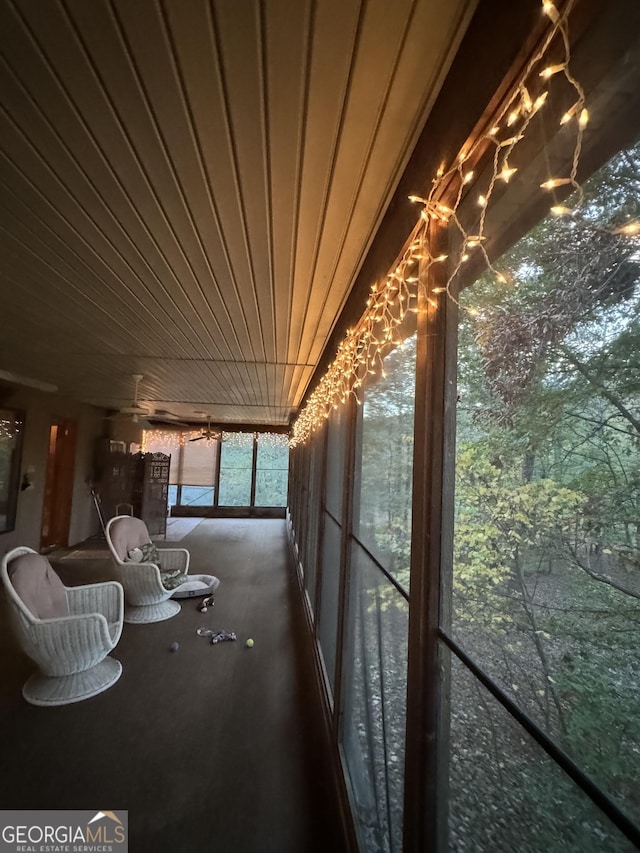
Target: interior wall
point(40, 408)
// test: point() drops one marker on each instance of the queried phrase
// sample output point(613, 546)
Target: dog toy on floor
point(216, 636)
point(207, 602)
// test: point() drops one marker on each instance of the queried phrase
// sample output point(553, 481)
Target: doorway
point(58, 489)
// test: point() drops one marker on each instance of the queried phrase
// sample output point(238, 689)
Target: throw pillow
point(172, 578)
point(150, 553)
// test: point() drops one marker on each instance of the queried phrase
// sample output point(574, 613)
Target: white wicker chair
point(67, 631)
point(146, 598)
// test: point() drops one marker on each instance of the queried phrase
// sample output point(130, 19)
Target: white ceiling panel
point(188, 188)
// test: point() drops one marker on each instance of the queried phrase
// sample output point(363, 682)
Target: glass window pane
point(328, 622)
point(383, 491)
point(236, 463)
point(272, 470)
point(336, 450)
point(172, 496)
point(11, 431)
point(375, 679)
point(197, 496)
point(312, 515)
point(547, 539)
point(505, 792)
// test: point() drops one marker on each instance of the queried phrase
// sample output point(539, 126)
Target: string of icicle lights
point(9, 428)
point(171, 440)
point(364, 347)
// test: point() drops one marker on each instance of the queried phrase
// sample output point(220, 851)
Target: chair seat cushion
point(38, 586)
point(128, 533)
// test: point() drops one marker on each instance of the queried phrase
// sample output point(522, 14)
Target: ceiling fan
point(135, 411)
point(143, 415)
point(207, 433)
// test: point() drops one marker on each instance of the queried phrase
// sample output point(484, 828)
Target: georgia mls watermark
point(35, 831)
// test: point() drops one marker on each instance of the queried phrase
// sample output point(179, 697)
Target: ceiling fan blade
point(199, 438)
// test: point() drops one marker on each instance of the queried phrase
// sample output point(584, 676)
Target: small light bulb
point(569, 114)
point(552, 183)
point(539, 101)
point(482, 201)
point(513, 117)
point(507, 173)
point(550, 70)
point(630, 229)
point(583, 121)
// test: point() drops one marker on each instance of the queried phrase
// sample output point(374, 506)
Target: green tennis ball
point(249, 643)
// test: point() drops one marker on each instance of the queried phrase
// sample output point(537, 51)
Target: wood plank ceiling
point(189, 187)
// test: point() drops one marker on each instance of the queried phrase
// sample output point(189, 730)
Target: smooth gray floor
point(215, 748)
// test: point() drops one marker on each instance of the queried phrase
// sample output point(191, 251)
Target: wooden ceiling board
point(83, 209)
point(41, 264)
point(217, 207)
point(188, 189)
point(243, 62)
point(334, 36)
point(406, 88)
point(378, 54)
point(174, 176)
point(287, 39)
point(144, 28)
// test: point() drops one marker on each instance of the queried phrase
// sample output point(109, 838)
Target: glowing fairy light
point(630, 229)
point(550, 70)
point(507, 173)
point(361, 353)
point(552, 183)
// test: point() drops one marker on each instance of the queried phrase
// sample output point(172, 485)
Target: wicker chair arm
point(149, 572)
point(79, 638)
point(174, 558)
point(142, 583)
point(106, 598)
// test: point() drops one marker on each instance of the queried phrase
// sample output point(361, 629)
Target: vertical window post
point(254, 462)
point(425, 814)
point(216, 476)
